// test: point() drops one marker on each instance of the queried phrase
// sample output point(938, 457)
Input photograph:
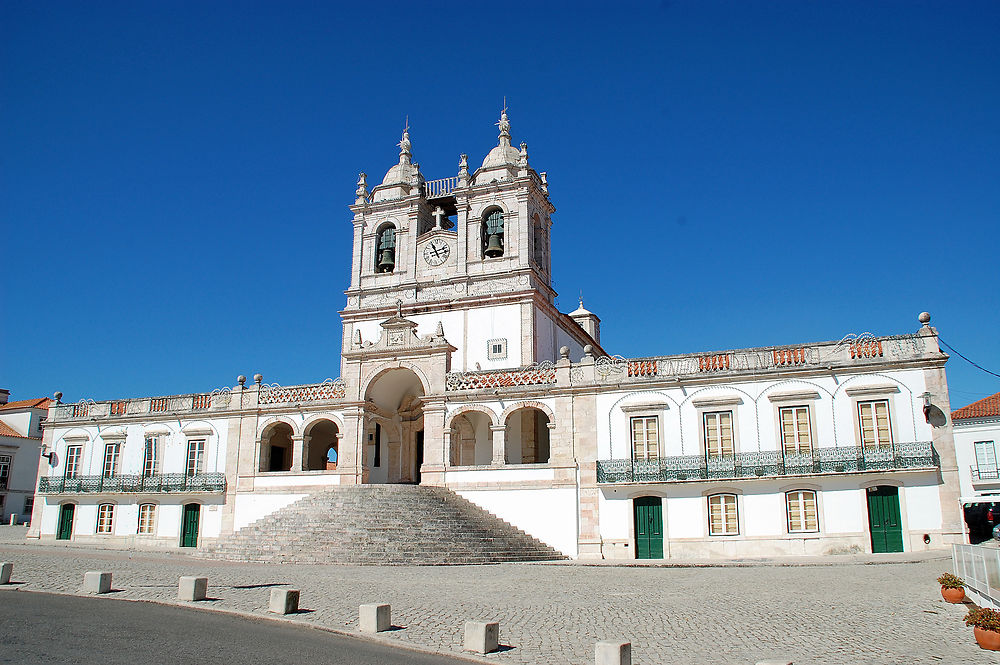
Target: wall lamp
point(927, 406)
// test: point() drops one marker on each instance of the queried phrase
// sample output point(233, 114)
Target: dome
point(504, 154)
point(404, 172)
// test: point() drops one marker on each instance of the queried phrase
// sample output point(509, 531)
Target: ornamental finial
point(504, 125)
point(361, 193)
point(404, 144)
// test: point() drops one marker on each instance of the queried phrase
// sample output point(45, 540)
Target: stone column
point(349, 453)
point(499, 444)
point(298, 443)
point(432, 472)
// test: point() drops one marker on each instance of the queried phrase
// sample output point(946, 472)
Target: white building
point(458, 371)
point(977, 430)
point(20, 443)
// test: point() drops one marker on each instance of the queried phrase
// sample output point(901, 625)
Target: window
point(74, 454)
point(196, 457)
point(801, 507)
point(147, 518)
point(377, 457)
point(795, 434)
point(986, 460)
point(719, 434)
point(874, 420)
point(4, 471)
point(723, 518)
point(645, 438)
point(385, 249)
point(150, 457)
point(105, 517)
point(111, 452)
point(493, 234)
point(29, 505)
point(496, 349)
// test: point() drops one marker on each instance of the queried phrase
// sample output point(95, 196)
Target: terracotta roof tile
point(7, 430)
point(984, 408)
point(37, 403)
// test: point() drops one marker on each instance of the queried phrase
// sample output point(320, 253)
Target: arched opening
point(527, 436)
point(385, 248)
point(276, 448)
point(471, 439)
point(393, 427)
point(493, 234)
point(321, 446)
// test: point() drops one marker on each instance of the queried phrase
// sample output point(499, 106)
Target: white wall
point(249, 508)
point(555, 526)
point(966, 435)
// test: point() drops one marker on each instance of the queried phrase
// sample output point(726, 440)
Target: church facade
point(458, 371)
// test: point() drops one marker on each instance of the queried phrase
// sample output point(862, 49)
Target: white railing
point(442, 187)
point(980, 568)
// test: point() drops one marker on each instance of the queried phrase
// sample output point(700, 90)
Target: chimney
point(4, 394)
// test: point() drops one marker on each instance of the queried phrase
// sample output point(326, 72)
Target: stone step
point(381, 524)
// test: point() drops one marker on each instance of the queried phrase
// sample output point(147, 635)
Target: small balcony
point(158, 484)
point(769, 463)
point(985, 476)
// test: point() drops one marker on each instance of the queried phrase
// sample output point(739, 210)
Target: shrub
point(984, 618)
point(949, 581)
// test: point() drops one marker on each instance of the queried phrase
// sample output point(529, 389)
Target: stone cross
point(438, 214)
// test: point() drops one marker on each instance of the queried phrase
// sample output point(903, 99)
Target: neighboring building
point(458, 370)
point(20, 441)
point(977, 432)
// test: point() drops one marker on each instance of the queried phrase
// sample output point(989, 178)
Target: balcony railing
point(765, 463)
point(165, 482)
point(985, 473)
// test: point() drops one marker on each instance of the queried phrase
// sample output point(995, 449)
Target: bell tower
point(468, 253)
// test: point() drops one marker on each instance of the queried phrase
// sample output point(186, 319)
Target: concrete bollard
point(284, 601)
point(13, 519)
point(95, 581)
point(482, 636)
point(608, 652)
point(192, 588)
point(374, 618)
point(6, 568)
point(775, 661)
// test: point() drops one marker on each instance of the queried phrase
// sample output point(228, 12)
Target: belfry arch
point(393, 427)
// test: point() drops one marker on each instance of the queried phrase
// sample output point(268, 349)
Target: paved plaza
point(849, 613)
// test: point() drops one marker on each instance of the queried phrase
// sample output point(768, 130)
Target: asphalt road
point(46, 628)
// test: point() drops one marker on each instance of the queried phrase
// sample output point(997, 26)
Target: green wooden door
point(883, 519)
point(189, 525)
point(648, 527)
point(65, 521)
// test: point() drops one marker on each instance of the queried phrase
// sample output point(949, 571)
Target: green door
point(189, 525)
point(65, 521)
point(648, 528)
point(883, 519)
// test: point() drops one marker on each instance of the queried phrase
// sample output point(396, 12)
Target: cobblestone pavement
point(840, 614)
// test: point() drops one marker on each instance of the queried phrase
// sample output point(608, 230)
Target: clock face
point(436, 252)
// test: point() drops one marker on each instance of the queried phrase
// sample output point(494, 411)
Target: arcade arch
point(393, 438)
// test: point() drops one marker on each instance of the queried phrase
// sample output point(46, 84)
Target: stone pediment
point(399, 338)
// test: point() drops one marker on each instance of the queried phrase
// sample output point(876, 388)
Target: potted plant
point(985, 624)
point(952, 588)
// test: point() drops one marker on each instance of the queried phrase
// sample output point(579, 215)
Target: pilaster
point(499, 444)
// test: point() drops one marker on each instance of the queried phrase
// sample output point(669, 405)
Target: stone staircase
point(381, 525)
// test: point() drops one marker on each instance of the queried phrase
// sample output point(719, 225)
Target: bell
point(494, 246)
point(387, 261)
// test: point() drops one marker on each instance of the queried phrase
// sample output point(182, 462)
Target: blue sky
point(175, 176)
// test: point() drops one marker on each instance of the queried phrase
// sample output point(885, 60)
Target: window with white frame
point(796, 436)
point(105, 517)
point(195, 457)
point(723, 515)
point(151, 457)
point(111, 454)
point(4, 471)
point(873, 418)
point(496, 349)
point(74, 456)
point(801, 509)
point(986, 460)
point(147, 518)
point(718, 434)
point(645, 437)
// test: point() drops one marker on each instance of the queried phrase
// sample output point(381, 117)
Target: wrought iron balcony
point(916, 455)
point(985, 473)
point(164, 482)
